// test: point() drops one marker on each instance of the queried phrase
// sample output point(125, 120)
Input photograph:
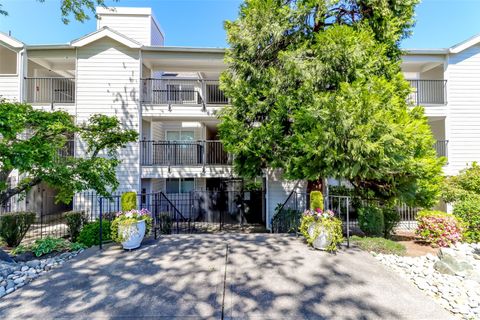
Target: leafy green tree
point(30, 141)
point(463, 191)
point(316, 89)
point(79, 9)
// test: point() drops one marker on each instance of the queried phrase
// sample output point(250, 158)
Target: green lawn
point(379, 245)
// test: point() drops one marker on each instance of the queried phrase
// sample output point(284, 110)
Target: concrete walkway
point(255, 276)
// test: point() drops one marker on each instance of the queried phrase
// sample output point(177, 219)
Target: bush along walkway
point(15, 275)
point(452, 277)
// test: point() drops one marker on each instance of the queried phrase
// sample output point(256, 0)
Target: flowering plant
point(323, 221)
point(319, 213)
point(129, 218)
point(439, 228)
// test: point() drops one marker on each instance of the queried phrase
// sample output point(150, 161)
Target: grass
point(379, 245)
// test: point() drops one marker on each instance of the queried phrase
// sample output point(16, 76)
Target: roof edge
point(105, 32)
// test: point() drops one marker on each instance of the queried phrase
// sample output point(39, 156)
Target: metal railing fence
point(49, 90)
point(428, 92)
point(175, 153)
point(182, 91)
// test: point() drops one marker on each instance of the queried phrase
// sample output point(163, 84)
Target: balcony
point(50, 90)
point(183, 92)
point(183, 153)
point(428, 92)
point(441, 146)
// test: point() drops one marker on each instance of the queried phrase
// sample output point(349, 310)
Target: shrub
point(90, 234)
point(469, 211)
point(75, 221)
point(47, 245)
point(129, 201)
point(14, 226)
point(316, 200)
point(371, 221)
point(391, 218)
point(166, 222)
point(110, 216)
point(379, 245)
point(439, 228)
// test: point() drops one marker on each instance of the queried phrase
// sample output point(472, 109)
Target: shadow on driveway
point(237, 276)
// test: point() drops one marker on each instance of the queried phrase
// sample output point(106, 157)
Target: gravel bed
point(459, 291)
point(15, 275)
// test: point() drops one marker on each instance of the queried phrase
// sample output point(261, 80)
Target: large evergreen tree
point(316, 89)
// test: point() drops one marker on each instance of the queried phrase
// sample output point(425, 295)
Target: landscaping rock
point(33, 263)
point(444, 268)
point(5, 257)
point(15, 275)
point(20, 280)
point(10, 284)
point(453, 278)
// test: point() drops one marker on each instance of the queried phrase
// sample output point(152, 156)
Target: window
point(179, 135)
point(180, 185)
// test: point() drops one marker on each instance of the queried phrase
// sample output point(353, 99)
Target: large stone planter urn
point(323, 239)
point(132, 234)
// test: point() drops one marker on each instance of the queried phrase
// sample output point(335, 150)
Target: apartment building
point(171, 96)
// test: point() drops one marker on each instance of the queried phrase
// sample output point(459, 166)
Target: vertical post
point(348, 222)
point(204, 154)
point(155, 215)
point(101, 213)
point(41, 217)
point(52, 92)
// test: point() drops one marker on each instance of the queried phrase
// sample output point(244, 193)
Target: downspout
point(140, 119)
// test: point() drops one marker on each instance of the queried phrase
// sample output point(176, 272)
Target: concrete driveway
point(234, 276)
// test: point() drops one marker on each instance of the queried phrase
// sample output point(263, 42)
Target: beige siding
point(156, 36)
point(463, 94)
point(9, 87)
point(136, 27)
point(108, 83)
point(158, 132)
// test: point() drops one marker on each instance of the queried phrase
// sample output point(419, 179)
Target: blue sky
point(440, 23)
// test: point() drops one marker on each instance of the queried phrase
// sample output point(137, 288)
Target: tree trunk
point(315, 185)
point(7, 194)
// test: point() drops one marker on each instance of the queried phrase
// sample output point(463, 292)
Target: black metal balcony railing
point(428, 92)
point(174, 97)
point(173, 91)
point(186, 153)
point(213, 94)
point(441, 146)
point(50, 90)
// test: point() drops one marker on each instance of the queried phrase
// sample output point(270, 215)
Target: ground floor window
point(180, 185)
